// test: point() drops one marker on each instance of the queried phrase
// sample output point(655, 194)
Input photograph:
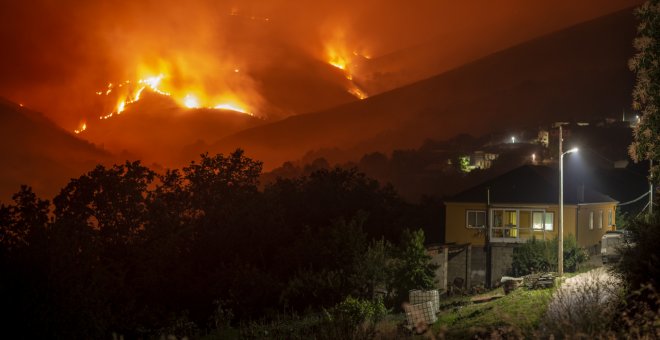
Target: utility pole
point(489, 246)
point(560, 236)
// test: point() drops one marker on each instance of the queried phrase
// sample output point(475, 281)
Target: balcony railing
point(514, 234)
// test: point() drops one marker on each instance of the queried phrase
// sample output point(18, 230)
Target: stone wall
point(478, 266)
point(502, 258)
point(469, 263)
point(439, 257)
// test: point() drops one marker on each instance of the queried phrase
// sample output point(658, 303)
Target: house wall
point(591, 238)
point(456, 230)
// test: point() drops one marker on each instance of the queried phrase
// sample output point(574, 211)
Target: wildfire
point(341, 59)
point(82, 128)
point(190, 101)
point(129, 92)
point(358, 93)
point(337, 60)
point(231, 107)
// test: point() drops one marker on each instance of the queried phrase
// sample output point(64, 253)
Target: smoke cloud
point(58, 53)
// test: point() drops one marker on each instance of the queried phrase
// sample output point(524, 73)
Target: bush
point(584, 304)
point(541, 255)
point(640, 256)
point(412, 266)
point(532, 256)
point(597, 308)
point(355, 318)
point(350, 319)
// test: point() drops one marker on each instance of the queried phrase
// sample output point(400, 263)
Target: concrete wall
point(469, 263)
point(502, 258)
point(453, 261)
point(439, 257)
point(478, 266)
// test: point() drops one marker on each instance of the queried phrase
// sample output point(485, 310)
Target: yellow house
point(524, 203)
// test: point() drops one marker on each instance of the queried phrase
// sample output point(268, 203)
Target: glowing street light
point(560, 237)
point(513, 139)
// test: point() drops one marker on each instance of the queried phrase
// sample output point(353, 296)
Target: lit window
point(511, 218)
point(476, 219)
point(609, 218)
point(549, 217)
point(600, 219)
point(591, 220)
point(538, 222)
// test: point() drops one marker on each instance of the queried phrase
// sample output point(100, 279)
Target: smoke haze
point(57, 54)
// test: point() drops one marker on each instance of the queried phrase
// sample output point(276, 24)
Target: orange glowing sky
point(57, 55)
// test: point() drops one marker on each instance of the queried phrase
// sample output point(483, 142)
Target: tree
point(640, 255)
point(111, 201)
point(413, 268)
point(646, 93)
point(23, 220)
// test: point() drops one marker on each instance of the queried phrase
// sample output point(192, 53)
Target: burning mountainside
point(127, 92)
point(339, 57)
point(272, 59)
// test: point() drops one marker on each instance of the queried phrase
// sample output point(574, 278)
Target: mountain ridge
point(589, 79)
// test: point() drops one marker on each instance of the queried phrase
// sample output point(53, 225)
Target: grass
point(519, 312)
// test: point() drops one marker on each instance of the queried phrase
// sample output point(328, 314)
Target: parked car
point(609, 246)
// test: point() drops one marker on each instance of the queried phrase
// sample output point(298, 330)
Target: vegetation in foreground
point(518, 313)
point(128, 251)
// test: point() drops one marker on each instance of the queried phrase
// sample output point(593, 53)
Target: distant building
point(482, 160)
point(543, 138)
point(477, 160)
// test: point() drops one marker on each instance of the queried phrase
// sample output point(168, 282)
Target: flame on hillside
point(339, 56)
point(129, 92)
point(82, 128)
point(188, 92)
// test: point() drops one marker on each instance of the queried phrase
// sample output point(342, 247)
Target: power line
point(636, 199)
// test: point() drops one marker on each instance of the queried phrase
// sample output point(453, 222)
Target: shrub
point(412, 266)
point(354, 318)
point(532, 256)
point(541, 255)
point(640, 256)
point(584, 304)
point(350, 319)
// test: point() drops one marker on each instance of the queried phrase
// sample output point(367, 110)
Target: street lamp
point(560, 237)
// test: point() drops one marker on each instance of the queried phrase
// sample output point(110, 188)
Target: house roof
point(530, 184)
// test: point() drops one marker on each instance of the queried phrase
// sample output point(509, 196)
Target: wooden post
point(445, 267)
point(468, 265)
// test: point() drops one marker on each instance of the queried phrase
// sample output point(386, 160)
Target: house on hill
point(515, 207)
point(524, 203)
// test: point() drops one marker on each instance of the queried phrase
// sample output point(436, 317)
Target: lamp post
point(560, 237)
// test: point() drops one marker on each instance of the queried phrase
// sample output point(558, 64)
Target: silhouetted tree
point(646, 94)
point(23, 220)
point(130, 251)
point(412, 268)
